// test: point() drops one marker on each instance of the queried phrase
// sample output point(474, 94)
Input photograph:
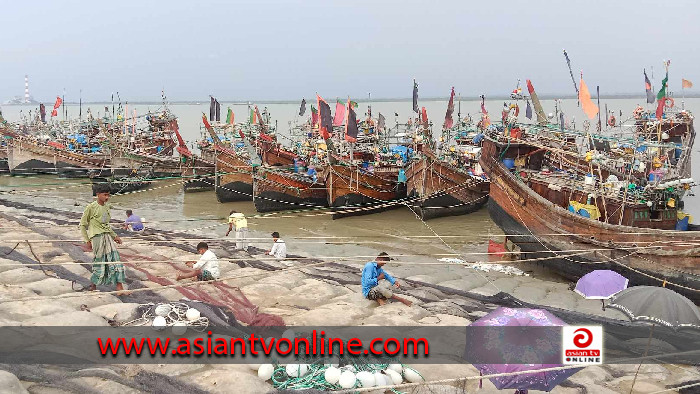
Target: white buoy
point(366, 378)
point(297, 370)
point(347, 380)
point(394, 376)
point(179, 328)
point(332, 375)
point(159, 323)
point(398, 368)
point(265, 371)
point(411, 375)
point(192, 314)
point(380, 379)
point(163, 310)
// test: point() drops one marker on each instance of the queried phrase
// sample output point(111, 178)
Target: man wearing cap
point(279, 248)
point(372, 273)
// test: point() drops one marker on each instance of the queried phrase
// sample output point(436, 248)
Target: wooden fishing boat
point(631, 237)
point(354, 191)
point(279, 190)
point(123, 184)
point(273, 154)
point(441, 189)
point(4, 166)
point(28, 156)
point(234, 175)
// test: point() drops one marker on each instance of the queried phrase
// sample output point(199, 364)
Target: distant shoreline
point(374, 100)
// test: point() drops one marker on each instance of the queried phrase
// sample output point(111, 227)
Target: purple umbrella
point(601, 285)
point(545, 381)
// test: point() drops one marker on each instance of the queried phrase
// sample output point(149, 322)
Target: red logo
point(584, 339)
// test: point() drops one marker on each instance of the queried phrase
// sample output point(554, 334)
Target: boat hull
point(280, 191)
point(352, 192)
point(236, 182)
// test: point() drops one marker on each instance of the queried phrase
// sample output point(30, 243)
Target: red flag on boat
point(325, 119)
point(339, 114)
point(314, 116)
point(424, 116)
point(483, 104)
point(55, 106)
point(450, 109)
point(587, 104)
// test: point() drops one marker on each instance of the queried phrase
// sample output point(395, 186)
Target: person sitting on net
point(206, 268)
point(372, 289)
point(279, 248)
point(132, 221)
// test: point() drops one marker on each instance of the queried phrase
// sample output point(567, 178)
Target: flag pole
point(600, 125)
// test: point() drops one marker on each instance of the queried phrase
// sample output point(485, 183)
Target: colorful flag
point(424, 116)
point(449, 122)
point(647, 86)
point(55, 106)
point(325, 119)
point(381, 122)
point(415, 96)
point(212, 108)
point(686, 84)
point(528, 110)
point(661, 97)
point(259, 117)
point(229, 116)
point(351, 130)
point(204, 120)
point(42, 111)
point(483, 105)
point(218, 111)
point(251, 118)
point(339, 114)
point(302, 108)
point(314, 116)
point(587, 104)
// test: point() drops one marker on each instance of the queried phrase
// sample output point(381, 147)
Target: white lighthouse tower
point(26, 89)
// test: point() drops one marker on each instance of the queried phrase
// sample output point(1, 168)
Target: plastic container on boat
point(509, 163)
point(589, 180)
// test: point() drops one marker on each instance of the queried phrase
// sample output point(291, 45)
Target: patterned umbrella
point(545, 381)
point(657, 305)
point(601, 284)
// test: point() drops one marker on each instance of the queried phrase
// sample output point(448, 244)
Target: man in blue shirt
point(133, 221)
point(372, 273)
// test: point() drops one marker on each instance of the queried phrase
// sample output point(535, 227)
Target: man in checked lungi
point(102, 240)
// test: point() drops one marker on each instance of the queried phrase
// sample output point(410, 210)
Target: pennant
point(647, 86)
point(587, 104)
point(325, 118)
point(381, 122)
point(339, 114)
point(483, 106)
point(351, 130)
point(302, 108)
point(55, 106)
point(686, 84)
point(528, 110)
point(541, 117)
point(212, 108)
point(415, 96)
point(229, 116)
point(42, 111)
point(662, 91)
point(449, 122)
point(218, 111)
point(314, 116)
point(424, 116)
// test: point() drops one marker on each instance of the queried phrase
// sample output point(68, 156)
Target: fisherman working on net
point(206, 268)
point(238, 221)
point(132, 221)
point(279, 248)
point(372, 288)
point(101, 239)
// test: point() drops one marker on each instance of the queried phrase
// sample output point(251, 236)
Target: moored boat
point(279, 190)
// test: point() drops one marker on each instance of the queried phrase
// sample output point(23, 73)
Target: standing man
point(238, 220)
point(279, 248)
point(372, 289)
point(100, 238)
point(132, 221)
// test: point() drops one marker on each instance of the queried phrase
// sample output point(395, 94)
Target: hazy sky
point(281, 50)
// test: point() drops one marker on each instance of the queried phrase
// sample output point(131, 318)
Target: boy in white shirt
point(279, 248)
point(207, 268)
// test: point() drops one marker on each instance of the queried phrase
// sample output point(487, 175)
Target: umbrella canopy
point(657, 305)
point(601, 284)
point(536, 380)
